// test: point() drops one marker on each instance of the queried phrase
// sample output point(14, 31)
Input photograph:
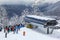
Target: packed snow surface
point(30, 35)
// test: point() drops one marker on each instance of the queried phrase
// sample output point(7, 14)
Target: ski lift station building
point(45, 24)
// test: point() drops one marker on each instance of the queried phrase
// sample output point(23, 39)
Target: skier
point(6, 31)
point(9, 28)
point(0, 28)
point(16, 28)
point(13, 29)
point(21, 25)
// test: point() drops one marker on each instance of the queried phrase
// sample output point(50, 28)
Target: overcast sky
point(24, 1)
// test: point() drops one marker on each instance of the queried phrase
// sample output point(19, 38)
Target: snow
point(40, 17)
point(30, 35)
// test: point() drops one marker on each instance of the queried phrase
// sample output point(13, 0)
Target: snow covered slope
point(30, 35)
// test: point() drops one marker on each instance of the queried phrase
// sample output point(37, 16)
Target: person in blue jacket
point(17, 28)
point(22, 25)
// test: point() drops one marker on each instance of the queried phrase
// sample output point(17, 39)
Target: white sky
point(26, 1)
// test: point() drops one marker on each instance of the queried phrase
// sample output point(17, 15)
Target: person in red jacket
point(13, 29)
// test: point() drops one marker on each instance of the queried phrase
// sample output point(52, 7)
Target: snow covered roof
point(41, 17)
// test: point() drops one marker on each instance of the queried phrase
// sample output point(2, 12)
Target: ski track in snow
point(30, 35)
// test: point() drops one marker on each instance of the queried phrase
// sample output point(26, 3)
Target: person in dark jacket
point(8, 30)
point(13, 29)
point(0, 28)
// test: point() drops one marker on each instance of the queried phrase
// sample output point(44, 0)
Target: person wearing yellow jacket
point(30, 26)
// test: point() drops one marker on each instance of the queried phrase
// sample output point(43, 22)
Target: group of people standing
point(13, 29)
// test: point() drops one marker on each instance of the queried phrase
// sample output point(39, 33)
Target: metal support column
point(48, 30)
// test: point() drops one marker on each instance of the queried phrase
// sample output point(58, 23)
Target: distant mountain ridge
point(18, 9)
point(46, 8)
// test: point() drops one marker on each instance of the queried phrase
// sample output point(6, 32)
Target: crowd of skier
point(13, 29)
